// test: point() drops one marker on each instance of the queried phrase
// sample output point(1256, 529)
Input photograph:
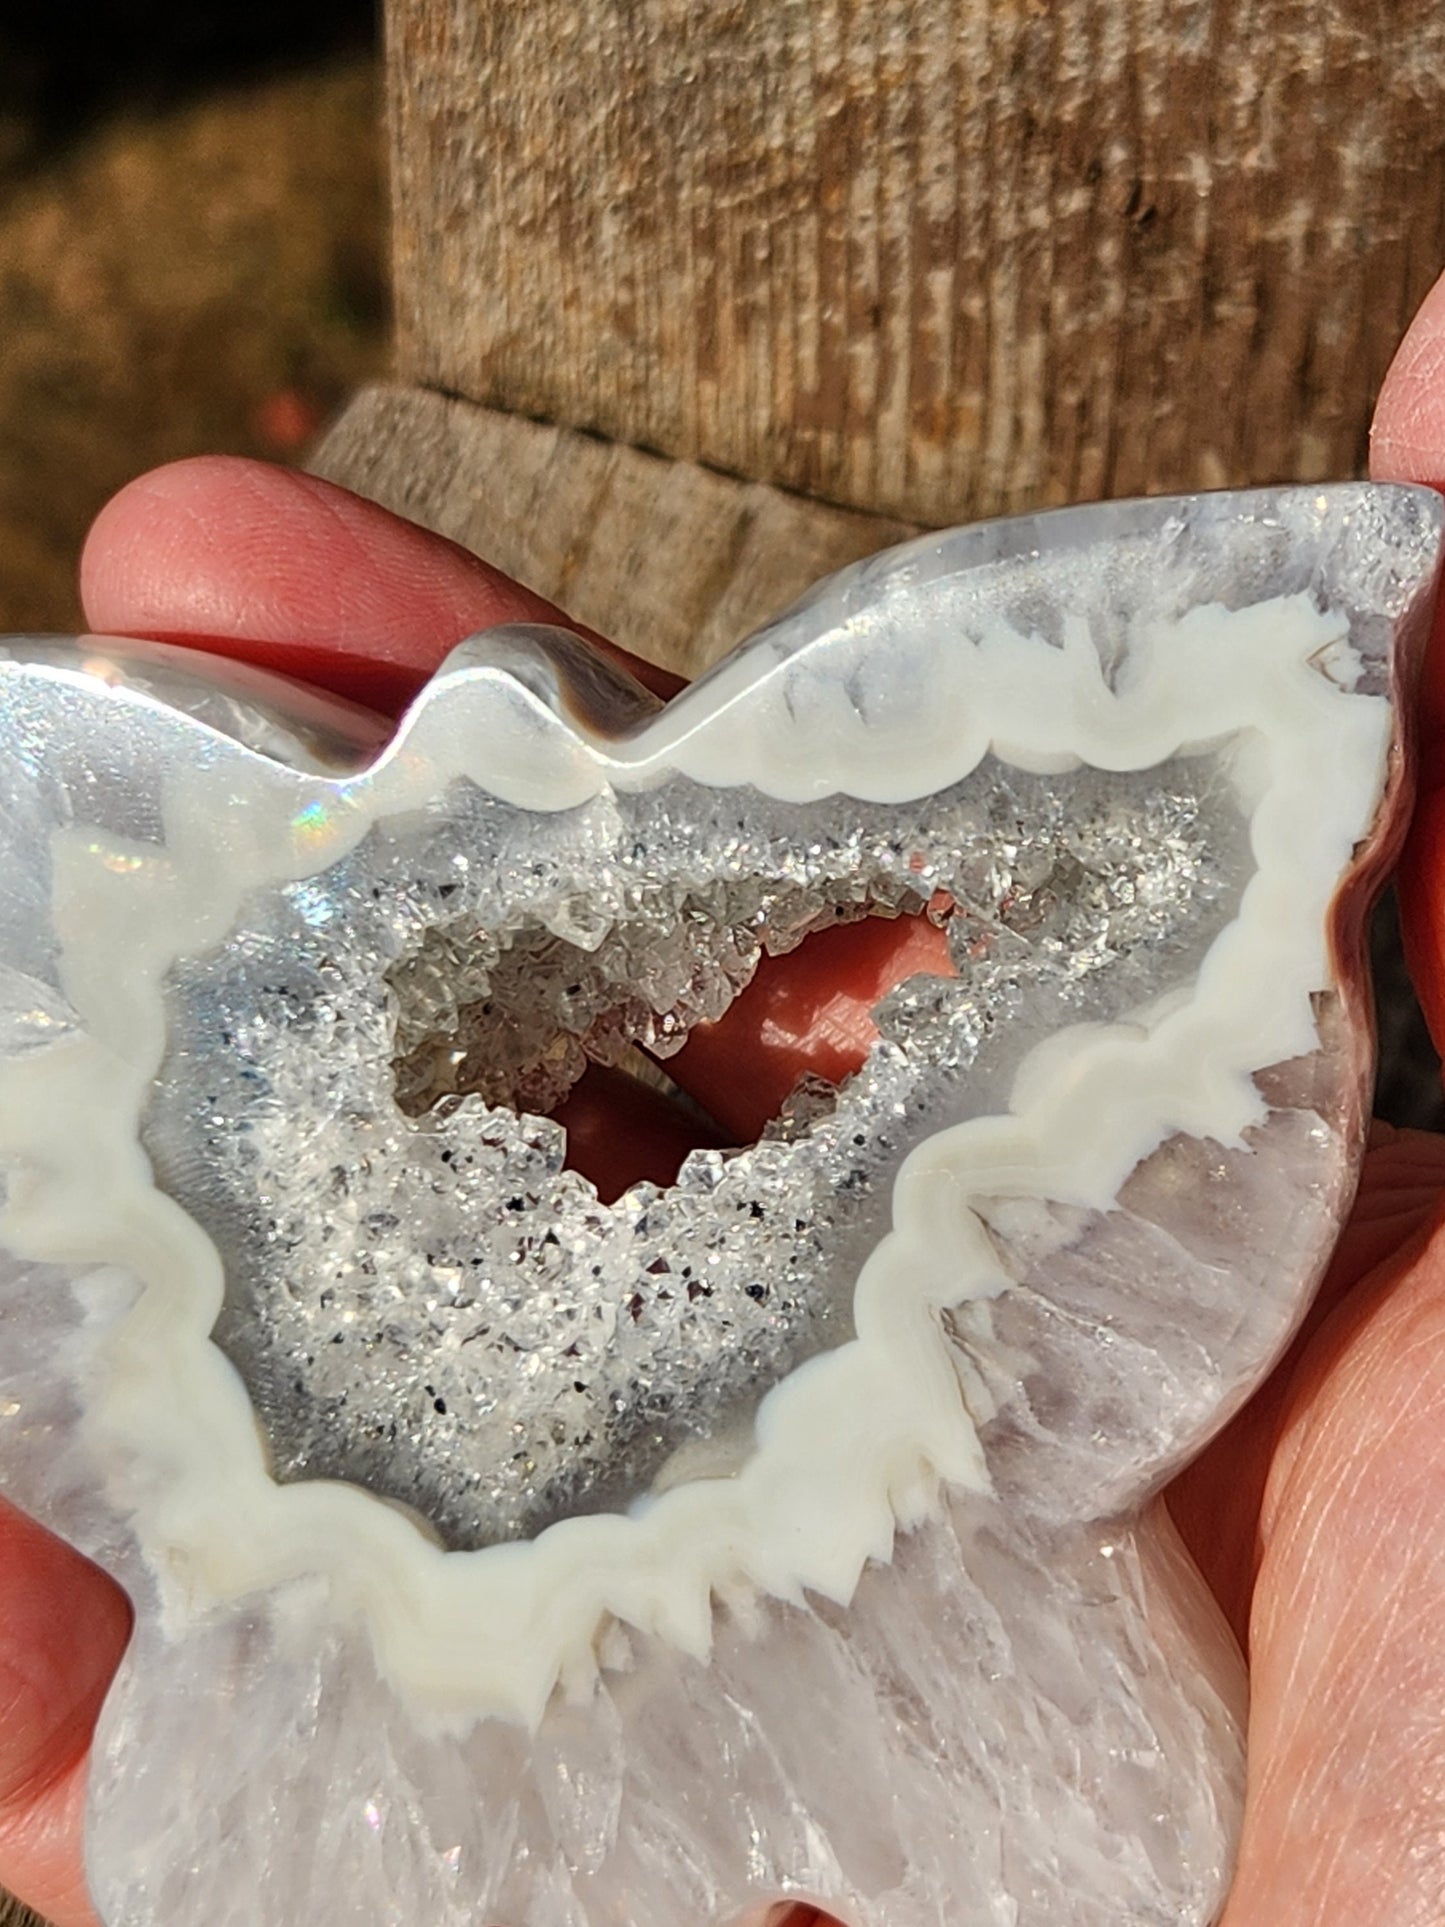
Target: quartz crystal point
point(503, 1558)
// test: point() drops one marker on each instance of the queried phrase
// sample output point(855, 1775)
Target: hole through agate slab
point(570, 1546)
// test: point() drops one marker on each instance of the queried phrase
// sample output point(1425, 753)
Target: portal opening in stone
point(646, 1045)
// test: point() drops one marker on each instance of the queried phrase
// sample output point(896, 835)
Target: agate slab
point(501, 1555)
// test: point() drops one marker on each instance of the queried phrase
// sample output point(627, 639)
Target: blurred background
point(192, 251)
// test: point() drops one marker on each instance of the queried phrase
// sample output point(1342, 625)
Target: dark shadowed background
point(191, 251)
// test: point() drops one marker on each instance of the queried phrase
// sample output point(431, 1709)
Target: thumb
point(63, 1628)
point(1345, 1815)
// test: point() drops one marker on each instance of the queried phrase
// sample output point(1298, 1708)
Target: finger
point(63, 1628)
point(286, 570)
point(658, 1135)
point(1407, 435)
point(807, 1013)
point(1216, 1501)
point(1407, 444)
point(1346, 1801)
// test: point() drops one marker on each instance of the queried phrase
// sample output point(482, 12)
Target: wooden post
point(924, 260)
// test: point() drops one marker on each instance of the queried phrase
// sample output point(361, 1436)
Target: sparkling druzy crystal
point(505, 1556)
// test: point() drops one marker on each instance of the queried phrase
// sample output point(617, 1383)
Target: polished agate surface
point(506, 1555)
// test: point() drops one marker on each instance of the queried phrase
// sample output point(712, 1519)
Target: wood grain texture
point(671, 560)
point(933, 258)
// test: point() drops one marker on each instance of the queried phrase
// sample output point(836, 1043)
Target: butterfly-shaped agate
point(504, 1554)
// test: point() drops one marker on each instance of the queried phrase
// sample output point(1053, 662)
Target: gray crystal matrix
point(791, 1531)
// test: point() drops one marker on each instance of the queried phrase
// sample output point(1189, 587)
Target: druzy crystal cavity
point(790, 1528)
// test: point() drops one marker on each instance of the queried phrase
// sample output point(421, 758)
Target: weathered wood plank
point(936, 260)
point(671, 560)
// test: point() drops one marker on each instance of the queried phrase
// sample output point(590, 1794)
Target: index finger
point(296, 574)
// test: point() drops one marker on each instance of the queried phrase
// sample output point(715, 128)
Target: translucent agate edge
point(854, 1444)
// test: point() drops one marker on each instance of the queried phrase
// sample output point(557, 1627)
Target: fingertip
point(221, 547)
point(287, 569)
point(174, 512)
point(1407, 436)
point(64, 1625)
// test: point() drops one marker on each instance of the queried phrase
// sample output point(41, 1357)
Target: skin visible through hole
point(810, 1012)
point(787, 1913)
point(807, 1012)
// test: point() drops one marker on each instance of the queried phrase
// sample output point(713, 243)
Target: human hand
point(1321, 1503)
